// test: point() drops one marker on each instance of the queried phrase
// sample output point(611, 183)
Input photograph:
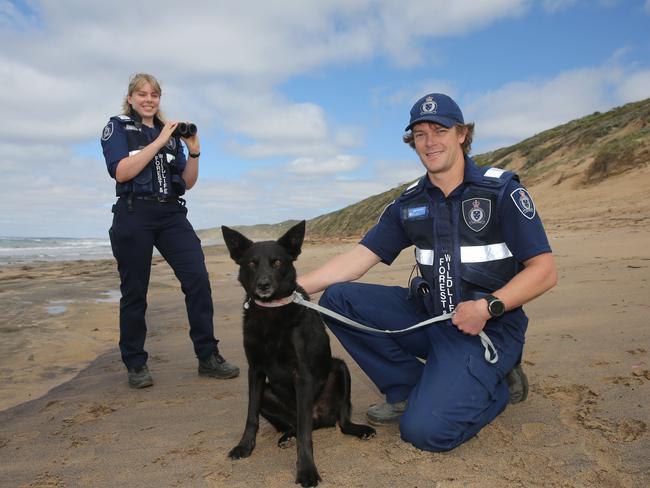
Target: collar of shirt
point(473, 174)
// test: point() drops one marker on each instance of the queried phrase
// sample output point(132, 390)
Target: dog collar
point(281, 302)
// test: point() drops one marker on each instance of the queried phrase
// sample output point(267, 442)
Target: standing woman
point(151, 172)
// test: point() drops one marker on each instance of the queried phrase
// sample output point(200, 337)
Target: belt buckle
point(162, 199)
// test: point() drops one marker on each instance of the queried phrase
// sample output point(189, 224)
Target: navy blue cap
point(437, 108)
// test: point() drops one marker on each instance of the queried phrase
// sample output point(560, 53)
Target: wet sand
point(587, 356)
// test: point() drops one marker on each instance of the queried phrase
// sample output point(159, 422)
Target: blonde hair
point(135, 82)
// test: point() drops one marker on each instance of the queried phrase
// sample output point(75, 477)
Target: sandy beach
point(69, 419)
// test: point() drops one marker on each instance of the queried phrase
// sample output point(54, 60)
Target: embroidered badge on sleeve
point(524, 202)
point(107, 132)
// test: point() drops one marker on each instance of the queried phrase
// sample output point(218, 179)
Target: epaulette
point(413, 189)
point(122, 118)
point(497, 177)
point(128, 122)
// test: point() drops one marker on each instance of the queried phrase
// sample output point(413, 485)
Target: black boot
point(217, 367)
point(140, 377)
point(517, 384)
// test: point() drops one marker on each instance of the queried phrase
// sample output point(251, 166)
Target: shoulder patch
point(524, 202)
point(107, 132)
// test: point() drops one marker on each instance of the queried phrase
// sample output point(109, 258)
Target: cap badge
point(428, 107)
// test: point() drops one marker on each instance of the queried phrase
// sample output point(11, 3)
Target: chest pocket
point(418, 223)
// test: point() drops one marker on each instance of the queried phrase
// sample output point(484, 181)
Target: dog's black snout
point(264, 284)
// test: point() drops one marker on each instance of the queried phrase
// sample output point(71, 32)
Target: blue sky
point(301, 105)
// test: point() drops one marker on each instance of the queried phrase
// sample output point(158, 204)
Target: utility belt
point(129, 197)
point(155, 198)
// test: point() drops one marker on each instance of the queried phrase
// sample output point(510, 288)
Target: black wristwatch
point(496, 307)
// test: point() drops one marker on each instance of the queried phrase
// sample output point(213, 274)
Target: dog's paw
point(308, 477)
point(367, 433)
point(358, 430)
point(240, 451)
point(288, 439)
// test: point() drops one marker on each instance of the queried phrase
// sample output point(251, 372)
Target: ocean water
point(17, 250)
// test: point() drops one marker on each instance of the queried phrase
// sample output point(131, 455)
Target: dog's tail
point(344, 382)
point(344, 387)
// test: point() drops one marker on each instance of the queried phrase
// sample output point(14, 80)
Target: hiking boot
point(140, 377)
point(517, 384)
point(217, 367)
point(386, 413)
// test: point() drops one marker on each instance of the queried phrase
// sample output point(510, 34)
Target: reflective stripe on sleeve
point(482, 254)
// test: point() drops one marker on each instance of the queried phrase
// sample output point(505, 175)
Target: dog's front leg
point(307, 474)
point(246, 445)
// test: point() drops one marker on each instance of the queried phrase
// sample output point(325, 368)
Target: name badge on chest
point(416, 213)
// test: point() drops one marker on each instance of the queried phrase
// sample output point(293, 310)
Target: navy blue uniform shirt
point(525, 237)
point(522, 232)
point(115, 147)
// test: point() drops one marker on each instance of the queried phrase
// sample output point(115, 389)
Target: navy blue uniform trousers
point(133, 236)
point(452, 391)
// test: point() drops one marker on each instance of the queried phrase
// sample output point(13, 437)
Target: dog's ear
point(235, 242)
point(292, 239)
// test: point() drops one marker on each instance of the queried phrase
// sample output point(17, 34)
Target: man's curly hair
point(466, 145)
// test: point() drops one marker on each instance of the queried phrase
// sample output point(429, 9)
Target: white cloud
point(406, 95)
point(554, 6)
point(274, 200)
point(53, 192)
point(53, 60)
point(39, 106)
point(308, 166)
point(271, 121)
point(395, 173)
point(634, 86)
point(520, 109)
point(403, 23)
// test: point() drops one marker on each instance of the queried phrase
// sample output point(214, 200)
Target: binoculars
point(184, 129)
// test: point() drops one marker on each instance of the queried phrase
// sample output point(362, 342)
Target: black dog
point(293, 380)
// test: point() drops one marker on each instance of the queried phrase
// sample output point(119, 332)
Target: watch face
point(496, 308)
